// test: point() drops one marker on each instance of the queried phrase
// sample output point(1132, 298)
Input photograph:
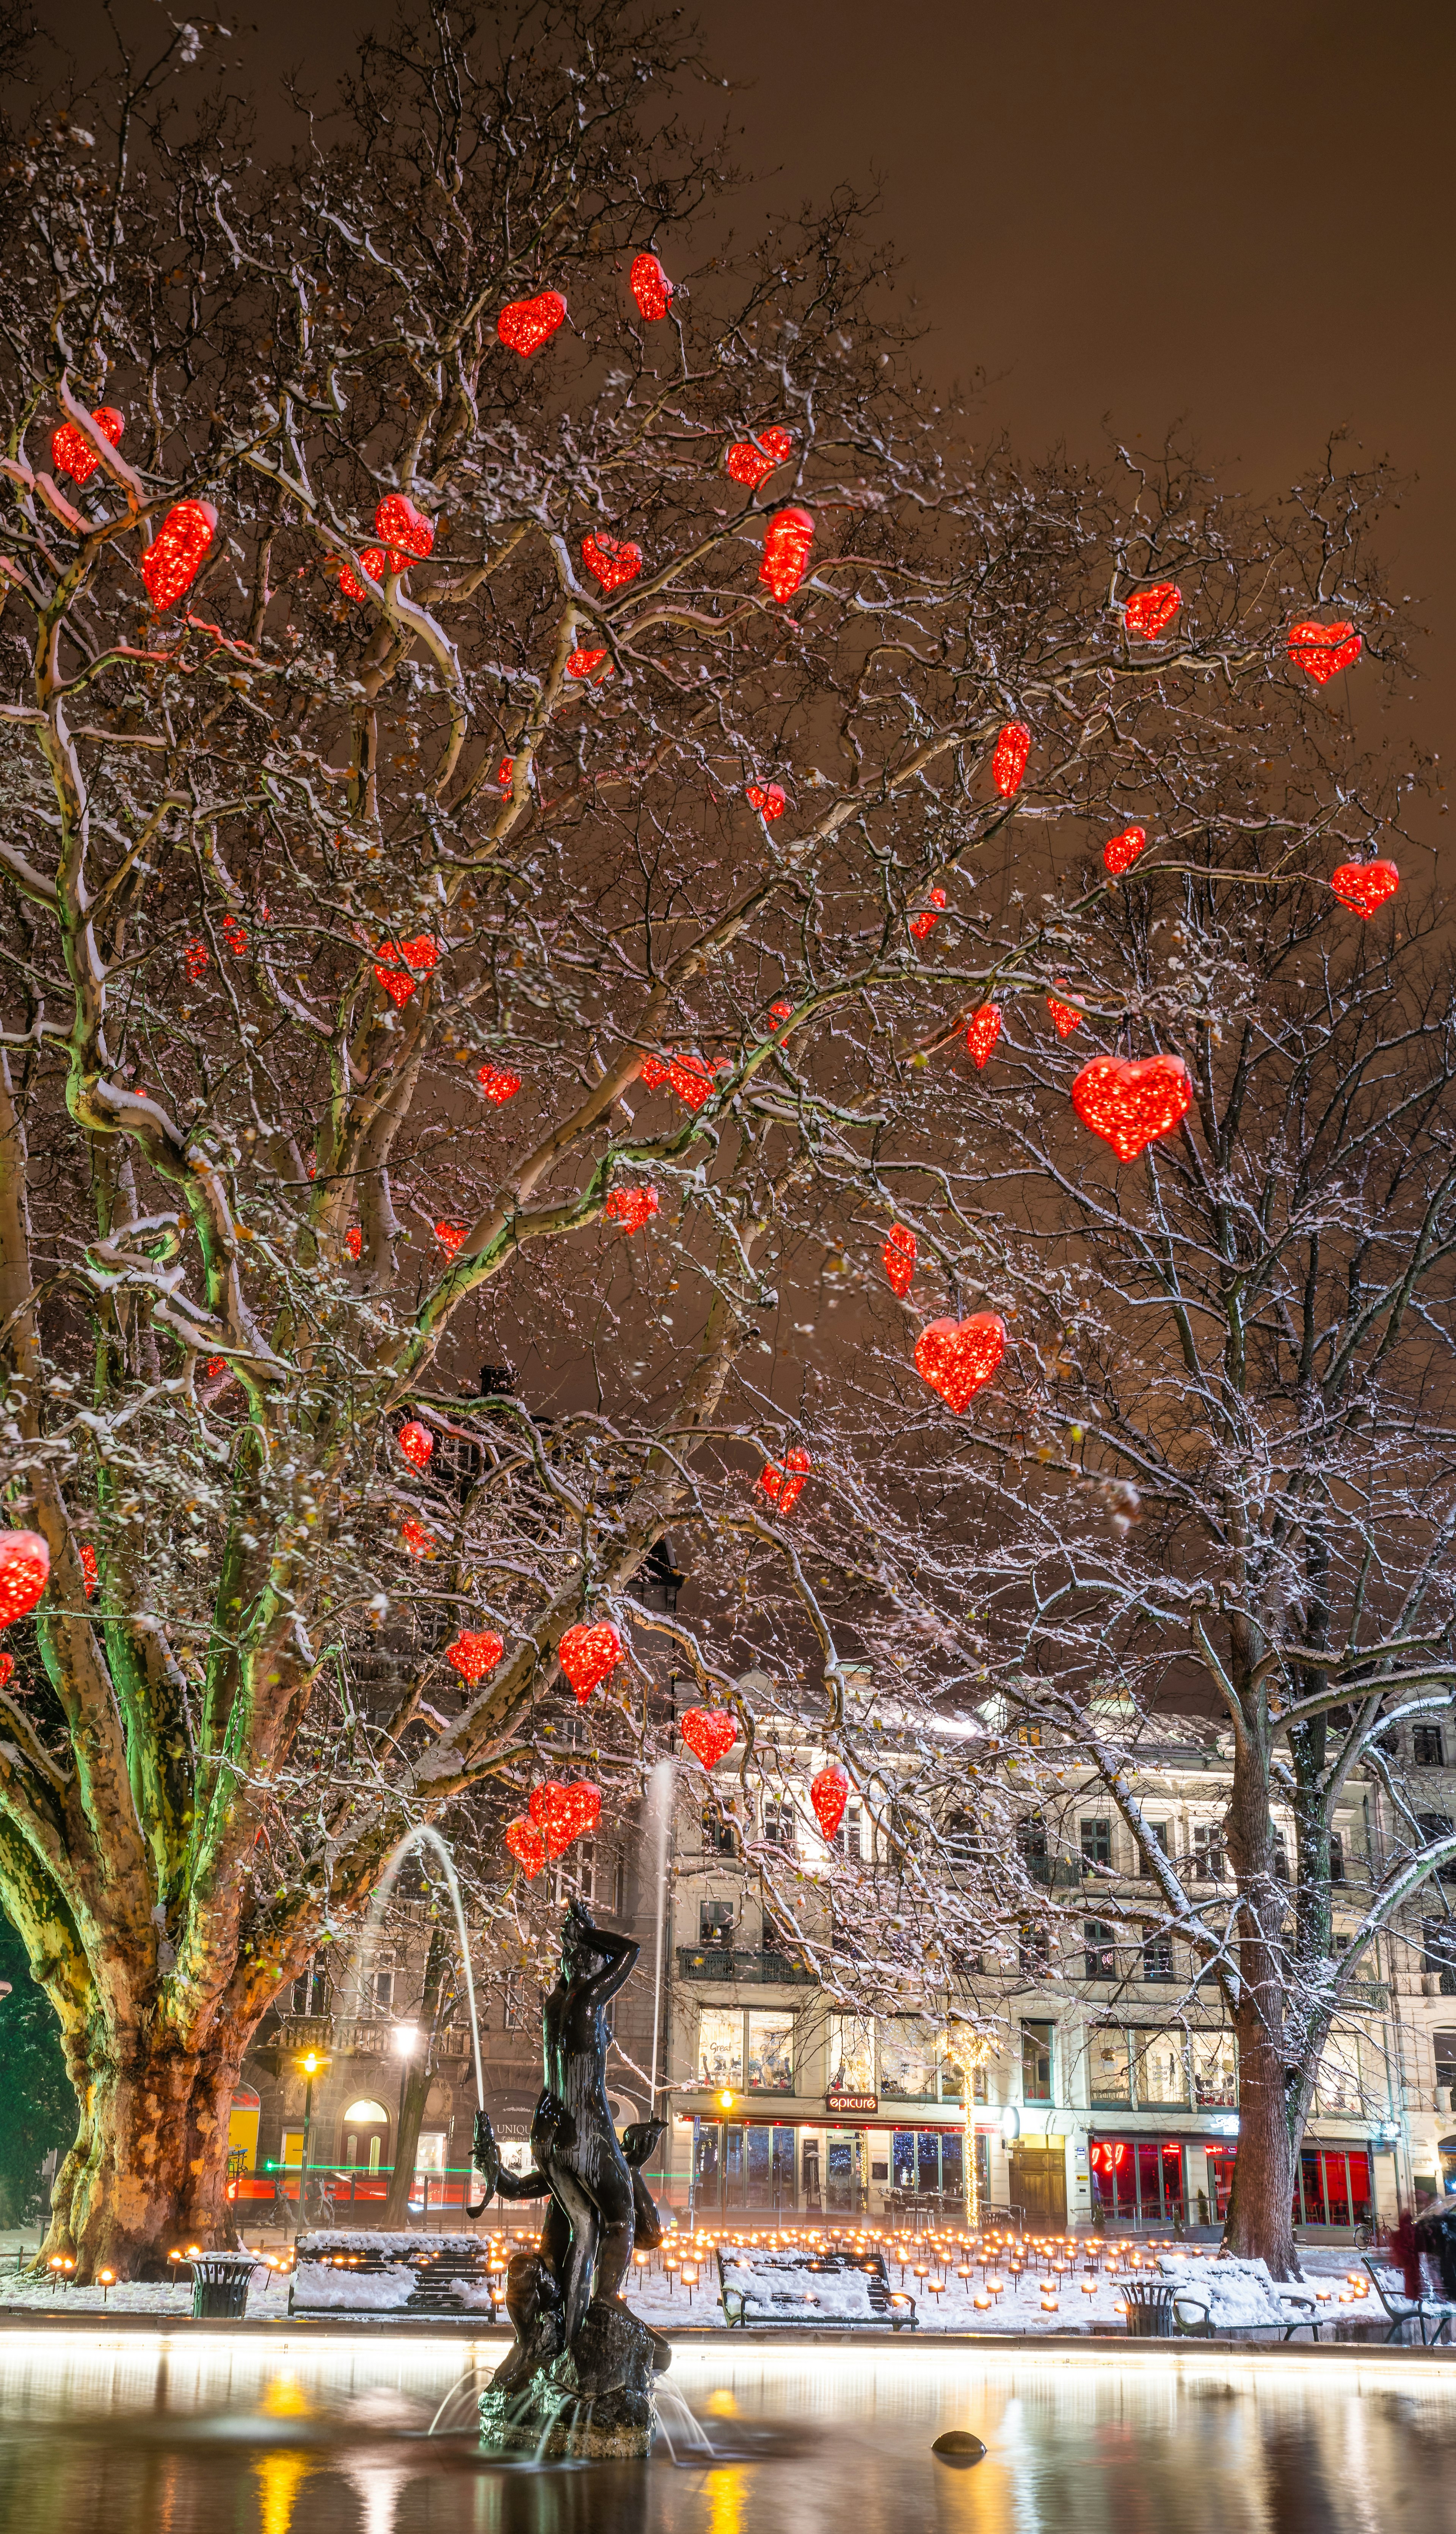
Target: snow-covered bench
point(1219, 2299)
point(804, 2289)
point(1422, 2310)
point(352, 2271)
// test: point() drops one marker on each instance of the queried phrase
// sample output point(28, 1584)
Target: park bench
point(805, 2290)
point(1401, 2309)
point(1222, 2298)
point(349, 2271)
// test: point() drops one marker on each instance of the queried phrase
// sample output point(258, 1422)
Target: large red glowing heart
point(784, 1487)
point(25, 1566)
point(1008, 758)
point(1321, 650)
point(177, 552)
point(71, 452)
point(709, 1732)
point(828, 1793)
point(527, 1844)
point(1120, 853)
point(898, 1254)
point(630, 1207)
point(651, 287)
point(613, 565)
point(498, 1083)
point(687, 1074)
point(930, 916)
point(1365, 887)
point(587, 1653)
point(1129, 1105)
point(416, 1443)
point(524, 324)
point(752, 462)
point(407, 534)
point(957, 1358)
point(768, 800)
point(1149, 612)
point(564, 1813)
point(374, 560)
point(583, 663)
point(786, 547)
point(1066, 1017)
point(420, 956)
point(475, 1653)
point(982, 1035)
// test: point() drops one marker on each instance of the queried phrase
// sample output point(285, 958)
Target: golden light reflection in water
point(285, 2399)
point(726, 2488)
point(722, 2404)
point(279, 2477)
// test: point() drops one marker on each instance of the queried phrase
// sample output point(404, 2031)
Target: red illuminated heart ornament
point(1008, 758)
point(768, 800)
point(177, 552)
point(506, 774)
point(449, 1237)
point(195, 961)
point(1066, 1015)
point(416, 1443)
point(353, 1241)
point(651, 287)
point(1149, 612)
point(88, 1567)
point(563, 1814)
point(1320, 650)
point(690, 1079)
point(528, 1845)
point(524, 324)
point(25, 1566)
point(613, 565)
point(475, 1653)
point(786, 553)
point(930, 916)
point(498, 1083)
point(898, 1254)
point(587, 1653)
point(374, 560)
point(420, 956)
point(416, 1539)
point(1129, 1105)
point(7, 1668)
point(71, 452)
point(630, 1207)
point(753, 463)
point(709, 1732)
point(957, 1358)
point(778, 1013)
point(407, 534)
point(982, 1035)
point(583, 664)
point(784, 1487)
point(828, 1793)
point(1365, 887)
point(1120, 853)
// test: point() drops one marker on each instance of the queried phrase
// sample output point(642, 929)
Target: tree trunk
point(415, 2088)
point(1260, 2221)
point(148, 2173)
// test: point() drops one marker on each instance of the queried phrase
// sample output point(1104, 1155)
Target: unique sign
point(853, 2103)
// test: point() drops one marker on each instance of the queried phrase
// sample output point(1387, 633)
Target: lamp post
point(312, 2063)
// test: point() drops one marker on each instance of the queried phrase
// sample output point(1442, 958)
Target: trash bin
point(219, 2285)
point(1150, 2310)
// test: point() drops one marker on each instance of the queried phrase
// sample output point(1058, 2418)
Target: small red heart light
point(630, 1207)
point(88, 1567)
point(957, 1358)
point(1365, 887)
point(1149, 612)
point(7, 1668)
point(768, 800)
point(475, 1653)
point(71, 452)
point(528, 1845)
point(752, 462)
point(195, 961)
point(930, 916)
point(235, 936)
point(1129, 1105)
point(374, 560)
point(25, 1567)
point(1008, 758)
point(786, 553)
point(778, 1013)
point(415, 1536)
point(709, 1732)
point(449, 1237)
point(407, 534)
point(217, 1365)
point(1066, 1015)
point(524, 324)
point(1120, 853)
point(651, 287)
point(982, 1035)
point(354, 1242)
point(498, 1083)
point(898, 1254)
point(177, 552)
point(784, 1487)
point(1320, 650)
point(613, 565)
point(506, 774)
point(416, 1443)
point(828, 1793)
point(564, 1813)
point(420, 956)
point(587, 1653)
point(583, 663)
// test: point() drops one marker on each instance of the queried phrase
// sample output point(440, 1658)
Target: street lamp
point(312, 2063)
point(725, 2099)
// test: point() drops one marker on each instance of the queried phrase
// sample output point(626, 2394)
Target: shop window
point(1215, 2058)
point(1334, 2188)
point(1100, 1958)
point(1036, 2063)
point(1161, 2069)
point(907, 2062)
point(1097, 1840)
point(1428, 1747)
point(851, 2055)
point(720, 2047)
point(1109, 2067)
point(770, 2051)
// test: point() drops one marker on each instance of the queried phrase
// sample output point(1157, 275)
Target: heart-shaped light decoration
point(709, 1732)
point(498, 1083)
point(957, 1358)
point(408, 535)
point(353, 1241)
point(587, 1653)
point(786, 553)
point(506, 774)
point(651, 287)
point(691, 1080)
point(982, 1035)
point(1365, 887)
point(177, 552)
point(25, 1567)
point(1321, 650)
point(898, 1254)
point(563, 1814)
point(784, 1487)
point(828, 1793)
point(1120, 853)
point(217, 1365)
point(930, 916)
point(421, 956)
point(613, 565)
point(416, 1443)
point(752, 462)
point(778, 1013)
point(475, 1653)
point(768, 800)
point(1129, 1105)
point(585, 664)
point(527, 1844)
point(374, 560)
point(1149, 612)
point(1066, 1015)
point(1008, 758)
point(88, 1567)
point(235, 936)
point(71, 452)
point(449, 1237)
point(195, 961)
point(524, 324)
point(630, 1207)
point(7, 1668)
point(415, 1538)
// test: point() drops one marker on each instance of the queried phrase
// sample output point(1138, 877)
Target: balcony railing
point(360, 2037)
point(728, 1962)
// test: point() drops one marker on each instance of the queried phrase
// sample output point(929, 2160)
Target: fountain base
point(592, 2403)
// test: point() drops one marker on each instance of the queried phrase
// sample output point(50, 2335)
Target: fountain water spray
point(423, 1836)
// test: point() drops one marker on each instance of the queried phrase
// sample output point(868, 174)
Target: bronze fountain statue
point(578, 2381)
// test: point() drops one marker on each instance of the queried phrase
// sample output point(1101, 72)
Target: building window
point(1161, 1835)
point(1427, 1747)
point(1208, 1851)
point(1097, 1840)
point(1215, 2069)
point(1439, 1953)
point(1157, 1957)
point(770, 2051)
point(850, 1837)
point(851, 2057)
point(720, 2047)
point(1161, 2069)
point(716, 1924)
point(1101, 1954)
point(1433, 1827)
point(1033, 1953)
point(1031, 1839)
point(1337, 2094)
point(1444, 2044)
point(907, 2062)
point(1281, 1855)
point(1337, 1857)
point(310, 1994)
point(576, 1873)
point(778, 1821)
point(1036, 2063)
point(1109, 2067)
point(382, 1991)
point(512, 2014)
point(719, 1834)
point(1031, 1735)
